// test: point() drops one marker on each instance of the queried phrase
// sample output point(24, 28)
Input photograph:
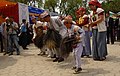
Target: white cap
point(44, 14)
point(6, 18)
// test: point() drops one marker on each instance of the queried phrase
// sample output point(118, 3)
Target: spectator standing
point(5, 35)
point(1, 40)
point(23, 35)
point(13, 37)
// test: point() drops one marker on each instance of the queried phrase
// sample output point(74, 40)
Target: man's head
point(107, 14)
point(24, 20)
point(94, 4)
point(7, 19)
point(68, 21)
point(40, 19)
point(11, 19)
point(46, 16)
point(81, 11)
point(33, 18)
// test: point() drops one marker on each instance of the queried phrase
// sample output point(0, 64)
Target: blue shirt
point(23, 28)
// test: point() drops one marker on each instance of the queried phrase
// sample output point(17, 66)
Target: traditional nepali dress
point(83, 21)
point(99, 46)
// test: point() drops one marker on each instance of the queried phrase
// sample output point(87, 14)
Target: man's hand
point(77, 37)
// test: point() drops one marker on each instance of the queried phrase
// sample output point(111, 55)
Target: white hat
point(44, 14)
point(6, 18)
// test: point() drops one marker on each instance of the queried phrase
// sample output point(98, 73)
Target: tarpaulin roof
point(35, 10)
point(8, 9)
point(6, 3)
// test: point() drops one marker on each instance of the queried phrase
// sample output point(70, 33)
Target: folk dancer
point(83, 22)
point(52, 37)
point(38, 35)
point(77, 45)
point(99, 31)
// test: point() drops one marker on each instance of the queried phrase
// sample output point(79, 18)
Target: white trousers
point(77, 55)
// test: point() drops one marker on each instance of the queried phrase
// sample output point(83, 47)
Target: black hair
point(23, 20)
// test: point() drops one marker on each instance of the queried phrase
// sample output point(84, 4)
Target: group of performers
point(60, 37)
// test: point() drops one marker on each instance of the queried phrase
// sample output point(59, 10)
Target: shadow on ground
point(112, 58)
point(68, 63)
point(6, 61)
point(93, 72)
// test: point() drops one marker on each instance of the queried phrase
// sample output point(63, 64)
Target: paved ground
point(29, 64)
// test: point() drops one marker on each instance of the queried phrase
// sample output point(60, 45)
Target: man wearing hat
point(97, 23)
point(54, 28)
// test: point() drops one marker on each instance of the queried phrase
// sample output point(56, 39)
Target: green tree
point(69, 7)
point(51, 5)
point(40, 2)
point(21, 1)
point(111, 5)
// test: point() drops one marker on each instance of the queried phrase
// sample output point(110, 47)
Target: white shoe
point(49, 56)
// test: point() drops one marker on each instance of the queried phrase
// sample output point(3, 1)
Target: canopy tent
point(34, 12)
point(4, 3)
point(17, 10)
point(6, 10)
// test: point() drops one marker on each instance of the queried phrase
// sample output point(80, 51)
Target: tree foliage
point(51, 5)
point(21, 1)
point(65, 6)
point(28, 1)
point(113, 6)
point(69, 7)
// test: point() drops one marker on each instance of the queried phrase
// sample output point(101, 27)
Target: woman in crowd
point(83, 22)
point(99, 31)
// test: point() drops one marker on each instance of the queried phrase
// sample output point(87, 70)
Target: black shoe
point(10, 54)
point(41, 53)
point(25, 48)
point(87, 56)
point(56, 59)
point(78, 70)
point(96, 59)
point(1, 51)
point(18, 53)
point(54, 56)
point(5, 53)
point(102, 59)
point(82, 56)
point(73, 68)
point(60, 59)
point(38, 54)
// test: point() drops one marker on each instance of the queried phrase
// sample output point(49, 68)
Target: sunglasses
point(68, 23)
